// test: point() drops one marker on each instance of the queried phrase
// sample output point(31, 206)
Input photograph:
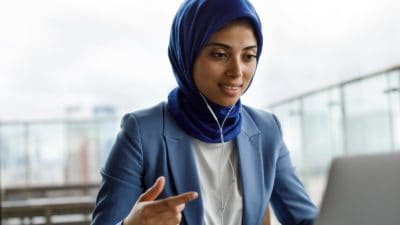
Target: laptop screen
point(362, 190)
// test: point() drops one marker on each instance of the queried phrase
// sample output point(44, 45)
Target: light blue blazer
point(150, 144)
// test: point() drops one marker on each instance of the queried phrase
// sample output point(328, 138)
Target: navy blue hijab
point(194, 23)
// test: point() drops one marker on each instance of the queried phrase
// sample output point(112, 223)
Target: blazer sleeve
point(121, 182)
point(290, 202)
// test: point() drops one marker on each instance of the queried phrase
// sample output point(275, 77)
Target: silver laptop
point(362, 190)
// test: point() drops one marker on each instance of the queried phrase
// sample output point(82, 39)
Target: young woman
point(203, 157)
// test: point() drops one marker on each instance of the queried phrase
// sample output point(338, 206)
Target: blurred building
point(70, 150)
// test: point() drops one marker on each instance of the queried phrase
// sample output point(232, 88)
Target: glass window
point(82, 159)
point(367, 116)
point(14, 158)
point(322, 136)
point(290, 119)
point(89, 143)
point(107, 131)
point(322, 129)
point(47, 152)
point(55, 152)
point(394, 98)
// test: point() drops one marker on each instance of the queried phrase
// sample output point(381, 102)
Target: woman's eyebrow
point(251, 47)
point(227, 46)
point(218, 44)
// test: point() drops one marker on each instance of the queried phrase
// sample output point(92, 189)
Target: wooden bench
point(48, 209)
point(44, 191)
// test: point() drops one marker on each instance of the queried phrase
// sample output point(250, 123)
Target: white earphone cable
point(223, 202)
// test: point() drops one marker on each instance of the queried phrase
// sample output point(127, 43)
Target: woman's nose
point(234, 67)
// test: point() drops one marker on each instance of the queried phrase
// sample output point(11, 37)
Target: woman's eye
point(250, 57)
point(219, 55)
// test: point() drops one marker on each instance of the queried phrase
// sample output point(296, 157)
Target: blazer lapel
point(250, 168)
point(183, 168)
point(184, 172)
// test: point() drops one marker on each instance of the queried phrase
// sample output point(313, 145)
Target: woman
point(203, 157)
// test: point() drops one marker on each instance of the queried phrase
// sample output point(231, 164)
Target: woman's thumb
point(154, 191)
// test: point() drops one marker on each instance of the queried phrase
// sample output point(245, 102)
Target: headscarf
point(194, 23)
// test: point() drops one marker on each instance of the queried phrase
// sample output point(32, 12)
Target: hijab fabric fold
point(194, 23)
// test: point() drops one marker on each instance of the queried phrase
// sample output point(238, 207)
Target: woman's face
point(225, 66)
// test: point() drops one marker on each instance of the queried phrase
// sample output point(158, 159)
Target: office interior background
point(330, 71)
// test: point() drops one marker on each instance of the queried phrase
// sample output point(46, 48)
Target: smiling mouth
point(231, 89)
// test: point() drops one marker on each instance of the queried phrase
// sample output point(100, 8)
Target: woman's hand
point(168, 211)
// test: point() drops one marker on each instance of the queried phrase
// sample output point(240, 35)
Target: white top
point(221, 192)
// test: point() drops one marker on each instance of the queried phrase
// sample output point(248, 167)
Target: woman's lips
point(231, 89)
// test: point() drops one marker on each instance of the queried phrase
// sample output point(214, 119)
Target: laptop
point(362, 190)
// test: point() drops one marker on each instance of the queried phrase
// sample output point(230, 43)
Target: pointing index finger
point(182, 198)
